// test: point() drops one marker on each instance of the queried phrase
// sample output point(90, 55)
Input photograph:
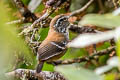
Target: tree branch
point(82, 9)
point(38, 22)
point(31, 75)
point(81, 30)
point(84, 59)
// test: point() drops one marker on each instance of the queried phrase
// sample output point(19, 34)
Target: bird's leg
point(94, 46)
point(52, 62)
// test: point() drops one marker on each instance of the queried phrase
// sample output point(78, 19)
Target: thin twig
point(82, 9)
point(83, 29)
point(31, 75)
point(101, 6)
point(17, 21)
point(84, 59)
point(37, 23)
point(44, 17)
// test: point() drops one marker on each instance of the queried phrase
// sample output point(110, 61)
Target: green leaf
point(118, 47)
point(106, 20)
point(10, 44)
point(117, 38)
point(75, 72)
point(110, 76)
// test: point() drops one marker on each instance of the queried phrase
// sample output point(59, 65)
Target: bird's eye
point(65, 19)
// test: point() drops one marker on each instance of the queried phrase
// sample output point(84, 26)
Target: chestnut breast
point(48, 51)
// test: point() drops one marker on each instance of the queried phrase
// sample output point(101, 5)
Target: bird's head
point(60, 23)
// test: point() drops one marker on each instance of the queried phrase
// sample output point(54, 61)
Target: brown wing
point(51, 49)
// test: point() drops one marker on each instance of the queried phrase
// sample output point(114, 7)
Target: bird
point(54, 45)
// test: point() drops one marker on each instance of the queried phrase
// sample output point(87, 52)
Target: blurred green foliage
point(110, 76)
point(76, 72)
point(10, 44)
point(118, 47)
point(106, 21)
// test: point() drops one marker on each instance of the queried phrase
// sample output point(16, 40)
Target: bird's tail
point(39, 67)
